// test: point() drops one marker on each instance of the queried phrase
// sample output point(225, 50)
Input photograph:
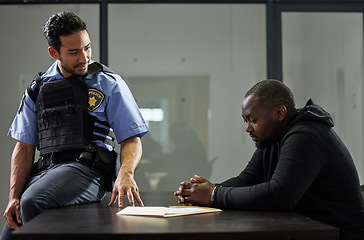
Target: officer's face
point(74, 54)
point(262, 123)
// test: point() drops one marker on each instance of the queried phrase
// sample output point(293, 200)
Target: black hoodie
point(309, 170)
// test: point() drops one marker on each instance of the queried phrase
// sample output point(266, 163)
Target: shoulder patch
point(95, 98)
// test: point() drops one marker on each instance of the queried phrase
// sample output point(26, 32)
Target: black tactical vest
point(63, 119)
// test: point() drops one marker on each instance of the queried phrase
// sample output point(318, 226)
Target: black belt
point(56, 157)
point(96, 158)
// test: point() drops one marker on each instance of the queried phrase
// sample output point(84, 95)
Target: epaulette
point(33, 93)
point(96, 67)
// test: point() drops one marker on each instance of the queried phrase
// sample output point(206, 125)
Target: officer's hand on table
point(125, 185)
point(197, 191)
point(12, 212)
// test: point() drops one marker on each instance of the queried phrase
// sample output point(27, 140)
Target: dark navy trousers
point(59, 185)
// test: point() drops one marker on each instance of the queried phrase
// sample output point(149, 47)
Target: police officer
point(72, 113)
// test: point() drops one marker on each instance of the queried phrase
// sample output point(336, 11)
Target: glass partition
point(189, 66)
point(323, 60)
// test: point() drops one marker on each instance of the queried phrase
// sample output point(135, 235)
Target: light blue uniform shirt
point(118, 108)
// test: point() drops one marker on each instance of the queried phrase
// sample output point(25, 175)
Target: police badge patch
point(95, 98)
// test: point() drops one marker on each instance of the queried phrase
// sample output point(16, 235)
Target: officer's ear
point(53, 52)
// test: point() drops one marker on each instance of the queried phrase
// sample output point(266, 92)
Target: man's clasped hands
point(197, 191)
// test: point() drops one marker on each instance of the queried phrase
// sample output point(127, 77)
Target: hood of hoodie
point(313, 112)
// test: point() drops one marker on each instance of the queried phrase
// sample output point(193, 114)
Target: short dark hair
point(62, 24)
point(272, 93)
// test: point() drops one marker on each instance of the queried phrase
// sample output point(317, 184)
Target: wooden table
point(98, 221)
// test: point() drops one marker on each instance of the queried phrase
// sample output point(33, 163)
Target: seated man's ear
point(281, 113)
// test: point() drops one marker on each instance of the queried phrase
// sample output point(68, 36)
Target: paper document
point(172, 211)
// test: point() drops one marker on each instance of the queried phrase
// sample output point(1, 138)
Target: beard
point(72, 71)
point(262, 144)
point(265, 143)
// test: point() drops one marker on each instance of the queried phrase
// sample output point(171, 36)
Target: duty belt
point(95, 157)
point(56, 157)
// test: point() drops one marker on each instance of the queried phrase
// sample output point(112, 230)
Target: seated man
point(300, 164)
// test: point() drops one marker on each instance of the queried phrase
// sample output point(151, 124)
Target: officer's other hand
point(12, 214)
point(125, 185)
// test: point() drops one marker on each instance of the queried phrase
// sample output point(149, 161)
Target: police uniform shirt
point(109, 100)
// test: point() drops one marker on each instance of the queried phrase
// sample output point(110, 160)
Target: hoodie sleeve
point(299, 162)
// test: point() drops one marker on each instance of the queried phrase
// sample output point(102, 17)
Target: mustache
point(252, 135)
point(80, 64)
